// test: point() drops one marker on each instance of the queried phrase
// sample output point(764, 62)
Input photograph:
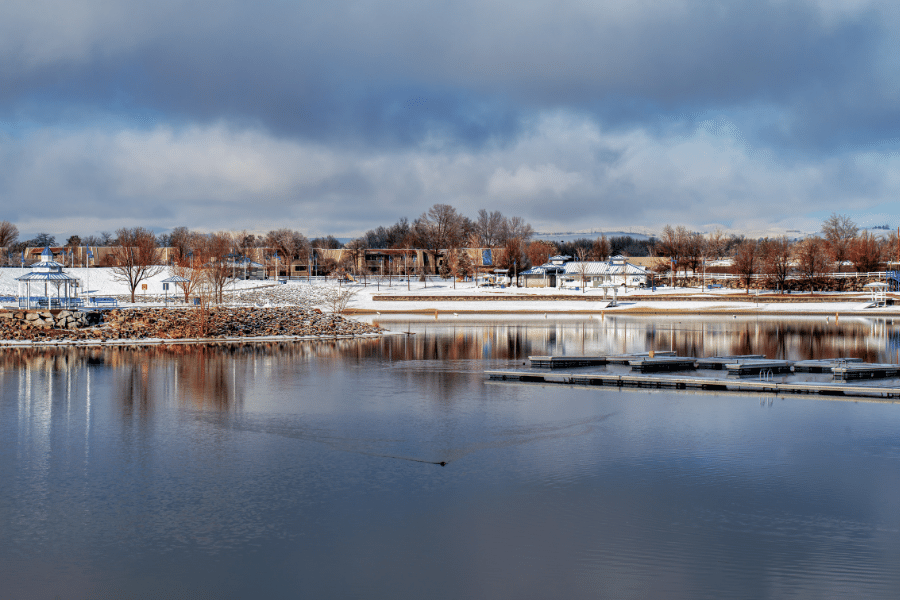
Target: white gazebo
point(49, 272)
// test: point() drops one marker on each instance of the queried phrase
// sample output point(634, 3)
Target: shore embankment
point(161, 324)
point(634, 302)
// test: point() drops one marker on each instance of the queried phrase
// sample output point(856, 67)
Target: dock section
point(822, 366)
point(865, 371)
point(720, 362)
point(663, 363)
point(563, 362)
point(758, 366)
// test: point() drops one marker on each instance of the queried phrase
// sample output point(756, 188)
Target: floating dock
point(563, 362)
point(758, 366)
point(865, 371)
point(720, 362)
point(663, 363)
point(751, 374)
point(822, 366)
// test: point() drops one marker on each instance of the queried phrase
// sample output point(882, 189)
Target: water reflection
point(276, 470)
point(793, 338)
point(217, 377)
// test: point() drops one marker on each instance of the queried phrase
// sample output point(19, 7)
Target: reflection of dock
point(745, 374)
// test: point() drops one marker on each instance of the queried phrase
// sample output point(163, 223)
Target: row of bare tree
point(839, 244)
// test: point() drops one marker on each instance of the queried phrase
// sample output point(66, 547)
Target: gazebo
point(176, 279)
point(48, 271)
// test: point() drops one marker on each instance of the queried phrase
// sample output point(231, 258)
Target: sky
point(336, 117)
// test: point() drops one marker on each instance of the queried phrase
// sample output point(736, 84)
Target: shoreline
point(639, 311)
point(186, 341)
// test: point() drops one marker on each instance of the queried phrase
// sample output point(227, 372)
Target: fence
point(758, 276)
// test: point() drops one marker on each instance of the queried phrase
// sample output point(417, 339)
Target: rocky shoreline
point(175, 324)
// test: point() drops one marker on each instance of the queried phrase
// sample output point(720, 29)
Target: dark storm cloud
point(469, 72)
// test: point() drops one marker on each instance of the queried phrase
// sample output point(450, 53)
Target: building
point(562, 272)
point(615, 271)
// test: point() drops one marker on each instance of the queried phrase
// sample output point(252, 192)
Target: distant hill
point(569, 236)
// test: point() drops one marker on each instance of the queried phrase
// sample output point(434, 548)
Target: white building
point(615, 271)
point(559, 272)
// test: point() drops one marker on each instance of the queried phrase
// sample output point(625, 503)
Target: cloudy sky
point(334, 117)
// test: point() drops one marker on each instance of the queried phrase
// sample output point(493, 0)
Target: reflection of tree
point(133, 389)
point(452, 353)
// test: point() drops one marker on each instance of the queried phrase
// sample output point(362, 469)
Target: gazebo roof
point(46, 270)
point(47, 261)
point(53, 276)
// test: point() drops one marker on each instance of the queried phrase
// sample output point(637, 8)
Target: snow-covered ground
point(102, 282)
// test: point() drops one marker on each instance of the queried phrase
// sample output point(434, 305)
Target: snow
point(101, 282)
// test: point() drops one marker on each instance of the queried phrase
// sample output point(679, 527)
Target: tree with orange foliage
point(866, 252)
point(540, 251)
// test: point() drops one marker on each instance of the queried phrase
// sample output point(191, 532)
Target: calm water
point(308, 470)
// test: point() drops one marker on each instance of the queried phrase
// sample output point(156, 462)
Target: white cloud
point(565, 172)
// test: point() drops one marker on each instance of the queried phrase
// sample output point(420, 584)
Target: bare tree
point(582, 265)
point(356, 249)
point(839, 231)
point(693, 251)
point(489, 227)
point(601, 248)
point(182, 240)
point(777, 257)
point(671, 243)
point(712, 247)
point(811, 257)
point(440, 228)
point(183, 268)
point(214, 266)
point(290, 245)
point(746, 261)
point(337, 298)
point(9, 234)
point(135, 257)
point(516, 227)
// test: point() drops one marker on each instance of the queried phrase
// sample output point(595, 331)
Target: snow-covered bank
point(442, 296)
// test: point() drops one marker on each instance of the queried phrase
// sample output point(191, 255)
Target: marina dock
point(748, 374)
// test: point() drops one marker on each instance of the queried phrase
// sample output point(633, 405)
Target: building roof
point(596, 267)
point(543, 270)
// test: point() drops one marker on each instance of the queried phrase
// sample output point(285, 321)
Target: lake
point(313, 469)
